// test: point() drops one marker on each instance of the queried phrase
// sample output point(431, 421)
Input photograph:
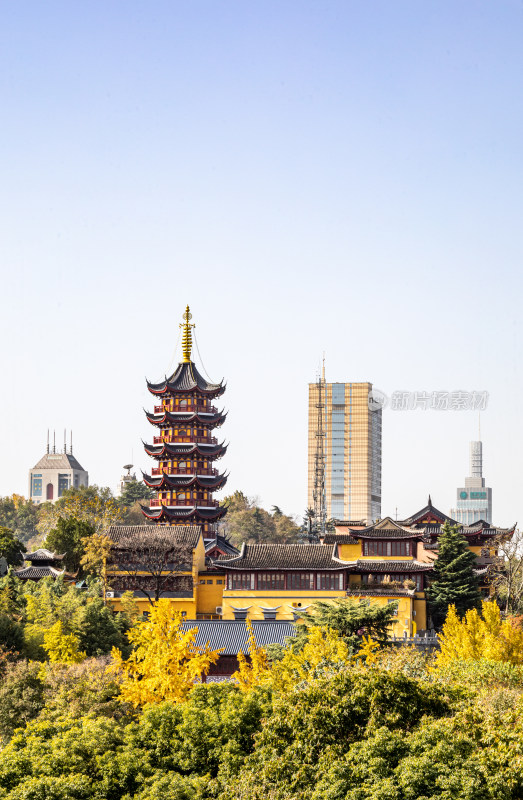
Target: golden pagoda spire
point(186, 336)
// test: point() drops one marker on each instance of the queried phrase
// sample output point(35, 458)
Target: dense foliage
point(11, 548)
point(247, 522)
point(321, 723)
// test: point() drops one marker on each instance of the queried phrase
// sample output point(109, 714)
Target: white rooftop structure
point(55, 473)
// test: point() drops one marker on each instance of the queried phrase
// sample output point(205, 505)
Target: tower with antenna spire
point(474, 500)
point(184, 448)
point(56, 472)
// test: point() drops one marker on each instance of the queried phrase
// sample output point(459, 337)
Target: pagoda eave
point(171, 418)
point(212, 483)
point(206, 451)
point(193, 514)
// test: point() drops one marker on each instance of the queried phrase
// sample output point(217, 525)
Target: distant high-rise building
point(351, 447)
point(54, 473)
point(474, 500)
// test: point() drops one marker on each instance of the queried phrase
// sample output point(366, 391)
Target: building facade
point(474, 500)
point(53, 474)
point(351, 444)
point(185, 450)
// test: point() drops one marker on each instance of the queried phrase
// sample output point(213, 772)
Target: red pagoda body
point(185, 448)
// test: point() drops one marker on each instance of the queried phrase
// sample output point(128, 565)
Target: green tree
point(453, 580)
point(21, 697)
point(246, 521)
point(11, 548)
point(69, 537)
point(91, 504)
point(350, 618)
point(134, 490)
point(12, 600)
point(82, 614)
point(20, 515)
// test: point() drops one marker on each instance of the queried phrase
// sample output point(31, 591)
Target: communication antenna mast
point(318, 494)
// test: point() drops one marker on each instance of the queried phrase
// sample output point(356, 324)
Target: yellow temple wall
point(287, 601)
point(349, 552)
point(210, 592)
point(420, 618)
point(403, 622)
point(184, 605)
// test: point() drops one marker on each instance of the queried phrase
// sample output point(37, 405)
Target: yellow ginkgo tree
point(480, 636)
point(322, 649)
point(165, 663)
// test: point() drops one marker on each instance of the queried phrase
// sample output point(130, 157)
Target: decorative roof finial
point(186, 336)
point(430, 502)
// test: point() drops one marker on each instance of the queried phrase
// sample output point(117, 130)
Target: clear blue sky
point(340, 176)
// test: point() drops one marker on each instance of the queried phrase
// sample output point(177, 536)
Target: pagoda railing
point(183, 471)
point(185, 440)
point(185, 503)
point(186, 409)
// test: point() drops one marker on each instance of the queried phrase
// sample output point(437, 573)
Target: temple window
point(240, 613)
point(271, 580)
point(241, 580)
point(269, 613)
point(387, 548)
point(300, 580)
point(329, 581)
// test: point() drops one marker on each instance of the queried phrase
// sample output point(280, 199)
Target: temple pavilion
point(184, 448)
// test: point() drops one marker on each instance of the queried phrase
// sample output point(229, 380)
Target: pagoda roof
point(386, 528)
point(486, 529)
point(186, 379)
point(195, 514)
point(59, 461)
point(368, 565)
point(211, 482)
point(284, 556)
point(181, 534)
point(223, 545)
point(175, 417)
point(36, 573)
point(185, 449)
point(428, 513)
point(43, 555)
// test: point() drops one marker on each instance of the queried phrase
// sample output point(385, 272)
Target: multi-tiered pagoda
point(185, 449)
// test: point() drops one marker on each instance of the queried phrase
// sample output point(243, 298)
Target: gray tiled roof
point(186, 378)
point(368, 565)
point(58, 461)
point(233, 635)
point(43, 555)
point(223, 544)
point(183, 534)
point(339, 538)
point(35, 573)
point(284, 556)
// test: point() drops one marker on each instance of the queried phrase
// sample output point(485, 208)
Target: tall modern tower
point(351, 441)
point(474, 500)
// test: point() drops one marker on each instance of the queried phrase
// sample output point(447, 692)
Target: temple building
point(388, 561)
point(185, 450)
